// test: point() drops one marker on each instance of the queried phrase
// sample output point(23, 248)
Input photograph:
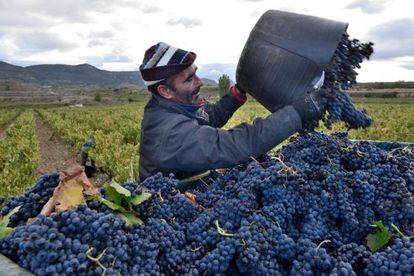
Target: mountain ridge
point(71, 75)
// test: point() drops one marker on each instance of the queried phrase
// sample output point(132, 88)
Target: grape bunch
point(32, 200)
point(307, 210)
point(399, 259)
point(340, 75)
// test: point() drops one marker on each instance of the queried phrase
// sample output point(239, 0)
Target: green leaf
point(121, 190)
point(4, 230)
point(8, 230)
point(379, 238)
point(110, 204)
point(139, 198)
point(130, 219)
point(115, 192)
point(113, 196)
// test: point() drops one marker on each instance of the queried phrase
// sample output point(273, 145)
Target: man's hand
point(240, 90)
point(238, 93)
point(311, 106)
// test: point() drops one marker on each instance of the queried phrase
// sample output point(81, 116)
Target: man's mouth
point(196, 92)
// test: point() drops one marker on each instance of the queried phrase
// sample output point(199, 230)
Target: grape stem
point(285, 168)
point(255, 160)
point(96, 259)
point(322, 242)
point(399, 232)
point(221, 231)
point(159, 194)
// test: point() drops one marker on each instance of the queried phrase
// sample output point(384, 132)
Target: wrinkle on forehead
point(192, 70)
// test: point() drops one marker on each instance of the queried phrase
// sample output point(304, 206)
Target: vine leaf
point(379, 238)
point(4, 229)
point(115, 192)
point(110, 204)
point(138, 199)
point(130, 218)
point(70, 192)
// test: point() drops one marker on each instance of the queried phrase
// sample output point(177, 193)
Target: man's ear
point(164, 91)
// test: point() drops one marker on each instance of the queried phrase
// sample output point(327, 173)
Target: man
point(86, 146)
point(181, 133)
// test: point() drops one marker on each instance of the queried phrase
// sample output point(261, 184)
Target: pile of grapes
point(307, 211)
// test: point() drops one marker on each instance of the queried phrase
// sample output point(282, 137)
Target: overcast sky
point(113, 34)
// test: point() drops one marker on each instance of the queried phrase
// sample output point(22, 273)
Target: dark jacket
point(176, 139)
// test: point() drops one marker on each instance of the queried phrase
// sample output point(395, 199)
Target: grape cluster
point(340, 75)
point(341, 108)
point(32, 200)
point(399, 259)
point(307, 210)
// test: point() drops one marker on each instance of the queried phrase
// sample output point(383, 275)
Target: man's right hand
point(311, 106)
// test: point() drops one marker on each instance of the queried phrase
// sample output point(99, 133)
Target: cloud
point(393, 39)
point(96, 42)
point(139, 6)
point(294, 9)
point(397, 29)
point(36, 42)
point(214, 70)
point(185, 21)
point(102, 34)
point(72, 11)
point(116, 58)
point(367, 6)
point(150, 9)
point(38, 11)
point(100, 38)
point(408, 65)
point(98, 61)
point(12, 19)
point(3, 57)
point(390, 50)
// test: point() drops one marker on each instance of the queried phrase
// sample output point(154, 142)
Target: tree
point(98, 97)
point(224, 84)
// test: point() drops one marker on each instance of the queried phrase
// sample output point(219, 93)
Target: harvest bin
point(281, 59)
point(7, 267)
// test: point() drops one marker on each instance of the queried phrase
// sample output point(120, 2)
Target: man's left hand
point(240, 90)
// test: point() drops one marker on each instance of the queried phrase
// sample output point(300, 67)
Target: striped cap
point(162, 61)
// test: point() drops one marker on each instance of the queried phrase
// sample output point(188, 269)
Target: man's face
point(186, 86)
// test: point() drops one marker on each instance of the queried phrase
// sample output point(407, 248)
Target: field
point(393, 118)
point(116, 129)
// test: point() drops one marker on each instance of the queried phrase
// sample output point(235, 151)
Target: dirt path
point(2, 132)
point(56, 155)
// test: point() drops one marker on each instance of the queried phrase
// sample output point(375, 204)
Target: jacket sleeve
point(220, 112)
point(193, 147)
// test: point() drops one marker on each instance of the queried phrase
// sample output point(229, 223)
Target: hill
point(383, 85)
point(68, 75)
point(71, 75)
point(208, 81)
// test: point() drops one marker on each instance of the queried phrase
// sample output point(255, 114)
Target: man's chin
point(196, 98)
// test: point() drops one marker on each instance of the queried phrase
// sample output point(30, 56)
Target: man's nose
point(199, 80)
